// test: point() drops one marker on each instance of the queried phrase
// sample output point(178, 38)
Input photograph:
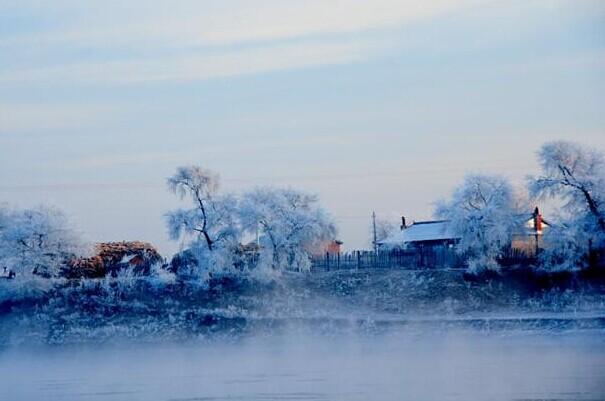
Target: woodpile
point(113, 257)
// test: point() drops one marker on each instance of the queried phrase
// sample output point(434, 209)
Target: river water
point(431, 363)
point(355, 336)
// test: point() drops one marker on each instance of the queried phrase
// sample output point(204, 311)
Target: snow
point(429, 230)
point(127, 258)
point(423, 231)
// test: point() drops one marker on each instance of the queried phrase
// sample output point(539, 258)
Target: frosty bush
point(37, 241)
point(566, 249)
point(484, 212)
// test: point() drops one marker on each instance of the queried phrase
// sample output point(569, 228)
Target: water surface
point(401, 364)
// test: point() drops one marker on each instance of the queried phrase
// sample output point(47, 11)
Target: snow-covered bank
point(146, 309)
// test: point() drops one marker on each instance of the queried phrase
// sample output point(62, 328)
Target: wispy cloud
point(199, 67)
point(195, 40)
point(19, 117)
point(192, 154)
point(226, 22)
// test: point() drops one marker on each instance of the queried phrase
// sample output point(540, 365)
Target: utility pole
point(374, 231)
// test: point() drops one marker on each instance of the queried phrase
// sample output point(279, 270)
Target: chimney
point(403, 225)
point(537, 220)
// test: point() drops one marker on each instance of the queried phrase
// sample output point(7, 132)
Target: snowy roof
point(438, 230)
point(442, 230)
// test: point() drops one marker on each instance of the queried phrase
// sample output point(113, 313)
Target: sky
point(378, 105)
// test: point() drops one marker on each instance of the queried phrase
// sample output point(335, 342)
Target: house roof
point(436, 230)
point(442, 230)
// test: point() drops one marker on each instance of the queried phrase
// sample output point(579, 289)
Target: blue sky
point(373, 105)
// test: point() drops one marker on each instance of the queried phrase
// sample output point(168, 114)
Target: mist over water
point(439, 365)
point(386, 336)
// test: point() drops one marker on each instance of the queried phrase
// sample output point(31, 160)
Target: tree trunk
point(592, 206)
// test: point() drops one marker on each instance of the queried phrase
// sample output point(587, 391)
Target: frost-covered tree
point(291, 226)
point(210, 224)
point(384, 229)
point(575, 175)
point(566, 246)
point(38, 241)
point(484, 212)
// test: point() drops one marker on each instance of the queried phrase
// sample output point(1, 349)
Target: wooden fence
point(513, 256)
point(436, 257)
point(429, 258)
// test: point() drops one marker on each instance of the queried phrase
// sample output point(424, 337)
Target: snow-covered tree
point(291, 226)
point(484, 212)
point(575, 175)
point(210, 224)
point(37, 241)
point(566, 246)
point(384, 229)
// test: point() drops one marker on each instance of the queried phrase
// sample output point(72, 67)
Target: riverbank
point(371, 300)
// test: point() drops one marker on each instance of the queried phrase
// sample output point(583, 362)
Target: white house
point(441, 233)
point(422, 233)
